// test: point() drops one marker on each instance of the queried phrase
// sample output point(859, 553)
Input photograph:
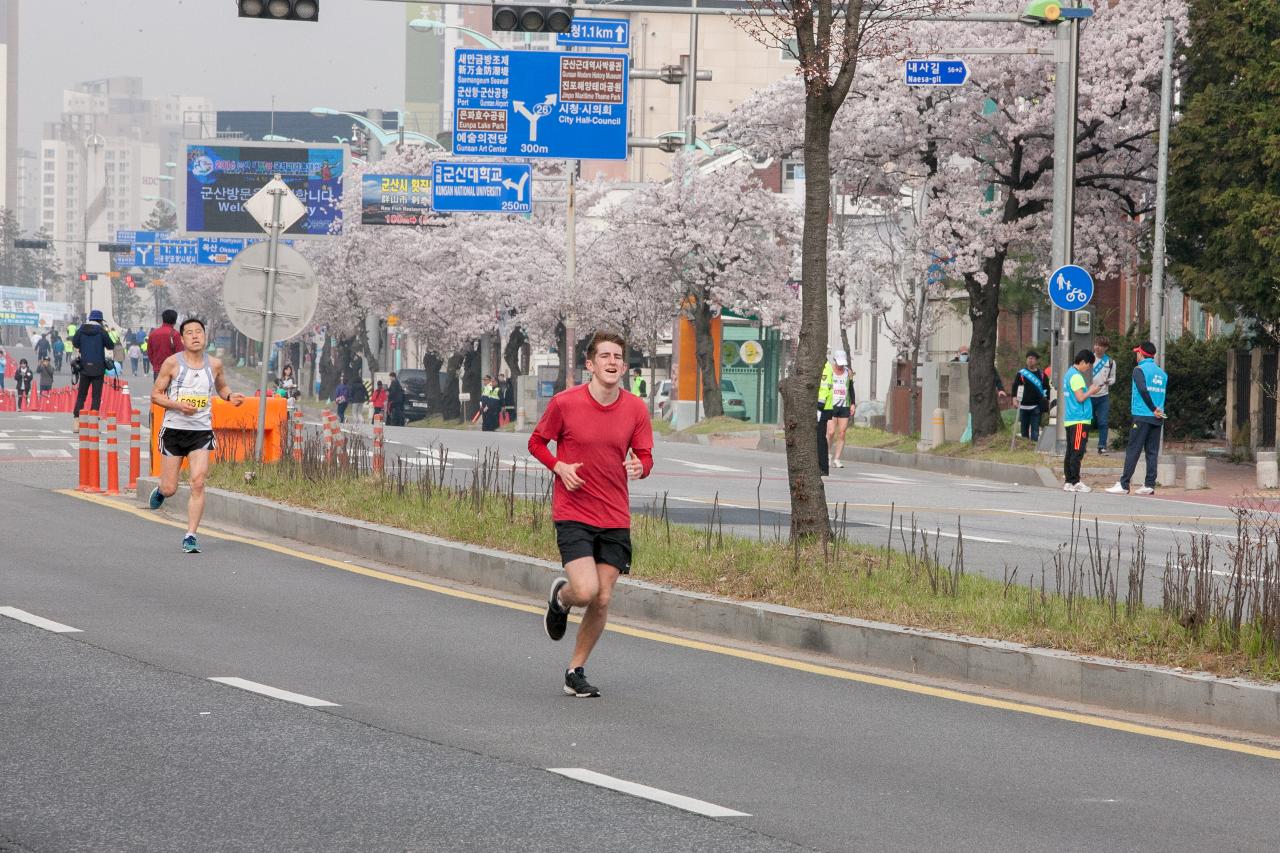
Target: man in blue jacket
point(94, 343)
point(1146, 403)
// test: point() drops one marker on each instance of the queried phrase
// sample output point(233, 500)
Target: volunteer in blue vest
point(1031, 389)
point(1104, 376)
point(1076, 415)
point(1146, 403)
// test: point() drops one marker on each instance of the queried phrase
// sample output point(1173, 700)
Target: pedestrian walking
point(835, 392)
point(4, 367)
point(340, 399)
point(93, 344)
point(1147, 394)
point(507, 398)
point(135, 355)
point(395, 402)
point(603, 438)
point(378, 400)
point(42, 348)
point(1031, 390)
point(44, 372)
point(1077, 412)
point(59, 349)
point(184, 387)
point(163, 341)
point(1104, 376)
point(357, 396)
point(22, 379)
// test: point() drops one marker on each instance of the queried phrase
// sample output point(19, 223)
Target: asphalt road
point(448, 715)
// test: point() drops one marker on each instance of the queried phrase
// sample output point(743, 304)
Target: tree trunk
point(800, 388)
point(330, 371)
point(431, 364)
point(984, 311)
point(366, 347)
point(451, 407)
point(511, 355)
point(712, 403)
point(562, 347)
point(471, 378)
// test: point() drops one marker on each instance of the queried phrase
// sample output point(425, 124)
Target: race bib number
point(199, 401)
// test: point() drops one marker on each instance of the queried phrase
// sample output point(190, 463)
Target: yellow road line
point(715, 648)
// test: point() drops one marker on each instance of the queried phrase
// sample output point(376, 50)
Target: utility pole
point(268, 320)
point(1066, 61)
point(1162, 189)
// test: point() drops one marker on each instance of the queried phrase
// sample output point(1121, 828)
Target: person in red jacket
point(378, 399)
point(603, 439)
point(163, 341)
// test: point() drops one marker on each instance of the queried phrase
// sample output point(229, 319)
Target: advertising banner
point(18, 318)
point(395, 200)
point(220, 178)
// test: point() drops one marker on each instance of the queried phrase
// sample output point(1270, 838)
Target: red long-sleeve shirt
point(599, 437)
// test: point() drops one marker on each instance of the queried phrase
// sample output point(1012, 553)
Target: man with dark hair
point(184, 387)
point(163, 341)
point(1031, 389)
point(1077, 412)
point(1147, 394)
point(1104, 376)
point(603, 439)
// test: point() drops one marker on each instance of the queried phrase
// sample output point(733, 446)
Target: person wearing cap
point(836, 402)
point(93, 343)
point(1146, 404)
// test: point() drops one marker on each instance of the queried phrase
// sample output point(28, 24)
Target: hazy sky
point(353, 58)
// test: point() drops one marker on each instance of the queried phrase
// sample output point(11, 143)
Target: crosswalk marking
point(51, 454)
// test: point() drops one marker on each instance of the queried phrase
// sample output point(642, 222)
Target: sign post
point(275, 208)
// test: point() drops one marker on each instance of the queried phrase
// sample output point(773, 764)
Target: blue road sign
point(481, 187)
point(204, 251)
point(1070, 287)
point(141, 236)
point(567, 106)
point(596, 32)
point(936, 72)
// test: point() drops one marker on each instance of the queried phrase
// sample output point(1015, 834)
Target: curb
point(1198, 698)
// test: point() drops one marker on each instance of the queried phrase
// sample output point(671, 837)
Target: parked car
point(662, 399)
point(734, 405)
point(414, 381)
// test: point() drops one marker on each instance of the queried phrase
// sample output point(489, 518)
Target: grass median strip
point(919, 582)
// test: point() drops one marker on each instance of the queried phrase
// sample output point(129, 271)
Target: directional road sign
point(1070, 287)
point(511, 103)
point(481, 187)
point(141, 236)
point(596, 32)
point(204, 251)
point(936, 72)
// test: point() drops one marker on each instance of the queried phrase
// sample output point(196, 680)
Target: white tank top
point(194, 386)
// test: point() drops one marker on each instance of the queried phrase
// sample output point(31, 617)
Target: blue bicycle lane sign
point(1070, 287)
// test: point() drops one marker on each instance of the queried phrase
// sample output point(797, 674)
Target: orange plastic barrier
point(113, 457)
point(135, 449)
point(234, 428)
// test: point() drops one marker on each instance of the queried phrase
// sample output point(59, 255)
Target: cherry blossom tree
point(983, 153)
point(715, 239)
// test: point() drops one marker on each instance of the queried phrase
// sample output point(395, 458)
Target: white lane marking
point(886, 478)
point(1086, 521)
point(7, 445)
point(705, 467)
point(274, 692)
point(968, 537)
point(38, 621)
point(635, 789)
point(434, 452)
point(50, 454)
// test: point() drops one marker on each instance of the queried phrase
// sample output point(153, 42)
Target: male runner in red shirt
point(603, 438)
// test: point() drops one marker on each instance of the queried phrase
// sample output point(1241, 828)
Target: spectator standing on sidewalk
point(135, 355)
point(1077, 412)
point(44, 370)
point(357, 396)
point(22, 381)
point(378, 400)
point(395, 402)
point(340, 395)
point(4, 367)
point(94, 345)
point(1146, 404)
point(163, 341)
point(59, 349)
point(42, 348)
point(1104, 376)
point(1031, 390)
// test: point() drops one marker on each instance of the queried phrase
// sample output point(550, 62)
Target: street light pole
point(1066, 60)
point(1162, 189)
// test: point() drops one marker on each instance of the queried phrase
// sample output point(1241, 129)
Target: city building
point(9, 103)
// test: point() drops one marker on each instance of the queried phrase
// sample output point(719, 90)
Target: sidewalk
point(1230, 484)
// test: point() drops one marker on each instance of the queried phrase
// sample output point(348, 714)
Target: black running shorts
point(840, 411)
point(182, 442)
point(610, 545)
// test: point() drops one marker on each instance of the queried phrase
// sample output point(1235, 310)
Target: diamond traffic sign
point(936, 72)
point(516, 103)
point(481, 187)
point(596, 32)
point(260, 206)
point(1070, 287)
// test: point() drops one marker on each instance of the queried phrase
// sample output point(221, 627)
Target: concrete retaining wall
point(1190, 697)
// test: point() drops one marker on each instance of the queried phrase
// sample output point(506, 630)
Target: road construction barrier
point(91, 482)
point(135, 449)
point(1268, 472)
point(326, 432)
point(297, 435)
point(113, 457)
point(377, 444)
point(82, 434)
point(234, 429)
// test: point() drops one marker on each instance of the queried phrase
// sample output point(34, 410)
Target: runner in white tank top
point(185, 386)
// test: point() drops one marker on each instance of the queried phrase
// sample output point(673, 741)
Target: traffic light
point(281, 10)
point(30, 244)
point(128, 280)
point(116, 248)
point(532, 19)
point(86, 277)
